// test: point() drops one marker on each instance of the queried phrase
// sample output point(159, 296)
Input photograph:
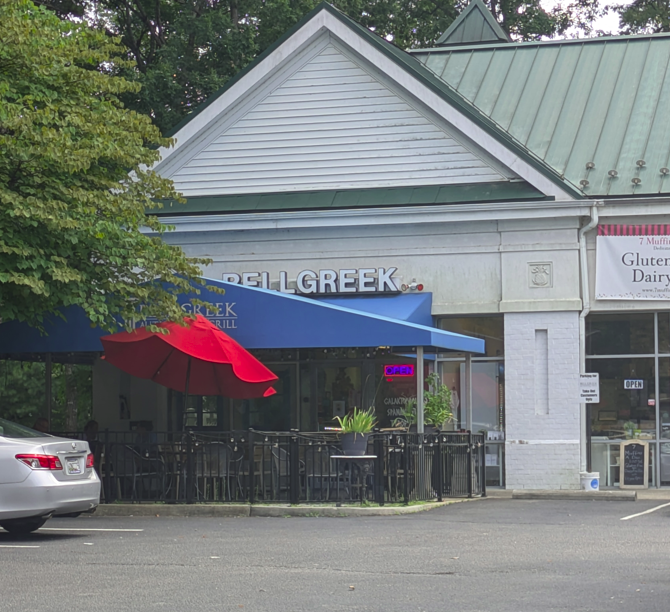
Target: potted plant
point(629, 428)
point(436, 406)
point(356, 427)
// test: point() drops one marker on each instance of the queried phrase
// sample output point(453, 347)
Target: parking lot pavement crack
point(345, 570)
point(130, 564)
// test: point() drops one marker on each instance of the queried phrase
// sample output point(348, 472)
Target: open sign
point(398, 370)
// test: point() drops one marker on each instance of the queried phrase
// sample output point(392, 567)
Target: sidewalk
point(603, 494)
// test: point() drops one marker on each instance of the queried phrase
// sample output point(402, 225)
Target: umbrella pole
point(188, 376)
point(190, 475)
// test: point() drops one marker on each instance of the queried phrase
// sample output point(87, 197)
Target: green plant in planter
point(358, 421)
point(436, 405)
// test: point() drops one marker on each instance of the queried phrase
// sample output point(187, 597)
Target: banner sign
point(633, 262)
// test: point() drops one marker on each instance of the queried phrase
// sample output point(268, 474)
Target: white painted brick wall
point(542, 450)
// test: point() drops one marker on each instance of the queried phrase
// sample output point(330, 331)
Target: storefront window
point(488, 394)
point(488, 387)
point(201, 411)
point(664, 332)
point(621, 333)
point(488, 412)
point(627, 405)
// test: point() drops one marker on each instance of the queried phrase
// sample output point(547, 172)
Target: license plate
point(73, 466)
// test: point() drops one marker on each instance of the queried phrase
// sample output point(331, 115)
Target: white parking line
point(625, 518)
point(8, 546)
point(75, 529)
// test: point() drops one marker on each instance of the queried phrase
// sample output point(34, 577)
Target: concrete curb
point(575, 495)
point(332, 511)
point(245, 510)
point(174, 510)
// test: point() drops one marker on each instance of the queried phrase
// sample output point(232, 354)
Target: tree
point(74, 184)
point(644, 16)
point(23, 393)
point(185, 50)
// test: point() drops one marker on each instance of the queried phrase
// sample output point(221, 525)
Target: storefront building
point(517, 193)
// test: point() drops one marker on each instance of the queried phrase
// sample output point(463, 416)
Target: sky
point(608, 23)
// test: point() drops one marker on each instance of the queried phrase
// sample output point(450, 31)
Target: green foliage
point(74, 186)
point(22, 391)
point(23, 399)
point(644, 16)
point(359, 421)
point(436, 407)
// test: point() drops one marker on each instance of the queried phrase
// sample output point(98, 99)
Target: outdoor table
point(362, 471)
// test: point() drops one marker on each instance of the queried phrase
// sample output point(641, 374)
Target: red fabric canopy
point(211, 361)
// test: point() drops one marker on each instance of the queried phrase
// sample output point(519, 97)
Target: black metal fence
point(291, 467)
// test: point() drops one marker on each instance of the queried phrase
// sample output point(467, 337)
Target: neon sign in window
point(398, 370)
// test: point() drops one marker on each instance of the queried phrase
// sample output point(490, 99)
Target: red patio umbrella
point(197, 358)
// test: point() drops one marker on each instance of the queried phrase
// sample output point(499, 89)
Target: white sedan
point(43, 476)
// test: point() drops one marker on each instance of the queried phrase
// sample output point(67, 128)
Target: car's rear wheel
point(23, 525)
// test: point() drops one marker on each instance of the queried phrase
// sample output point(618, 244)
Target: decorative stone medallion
point(540, 275)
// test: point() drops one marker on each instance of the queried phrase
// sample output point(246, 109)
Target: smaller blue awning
point(264, 319)
point(411, 307)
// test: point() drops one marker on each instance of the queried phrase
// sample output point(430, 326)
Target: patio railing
point(290, 467)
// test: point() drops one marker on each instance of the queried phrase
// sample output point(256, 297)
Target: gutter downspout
point(586, 308)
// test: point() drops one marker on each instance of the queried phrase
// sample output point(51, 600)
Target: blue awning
point(411, 307)
point(264, 319)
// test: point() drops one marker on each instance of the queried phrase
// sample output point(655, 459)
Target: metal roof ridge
point(536, 43)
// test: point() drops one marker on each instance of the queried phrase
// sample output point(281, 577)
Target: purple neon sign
point(398, 370)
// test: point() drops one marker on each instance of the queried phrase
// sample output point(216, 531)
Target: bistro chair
point(320, 473)
point(213, 470)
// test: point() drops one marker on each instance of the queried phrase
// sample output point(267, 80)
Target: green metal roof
point(474, 25)
point(353, 198)
point(596, 110)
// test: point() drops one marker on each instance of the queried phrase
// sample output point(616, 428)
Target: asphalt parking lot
point(495, 554)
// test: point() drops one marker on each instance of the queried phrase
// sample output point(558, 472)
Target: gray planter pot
point(354, 443)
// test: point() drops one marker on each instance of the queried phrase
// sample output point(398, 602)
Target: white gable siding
point(329, 125)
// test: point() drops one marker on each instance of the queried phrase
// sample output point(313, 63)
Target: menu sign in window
point(634, 465)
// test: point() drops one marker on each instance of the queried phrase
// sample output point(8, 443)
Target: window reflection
point(490, 329)
point(621, 333)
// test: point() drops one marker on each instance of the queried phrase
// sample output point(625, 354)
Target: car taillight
point(89, 460)
point(41, 462)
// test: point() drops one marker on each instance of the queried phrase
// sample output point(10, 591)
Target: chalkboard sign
point(634, 465)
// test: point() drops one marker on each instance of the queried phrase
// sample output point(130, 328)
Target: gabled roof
point(595, 110)
point(404, 69)
point(475, 25)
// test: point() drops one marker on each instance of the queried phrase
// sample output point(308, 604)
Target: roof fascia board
point(651, 207)
point(380, 216)
point(450, 112)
